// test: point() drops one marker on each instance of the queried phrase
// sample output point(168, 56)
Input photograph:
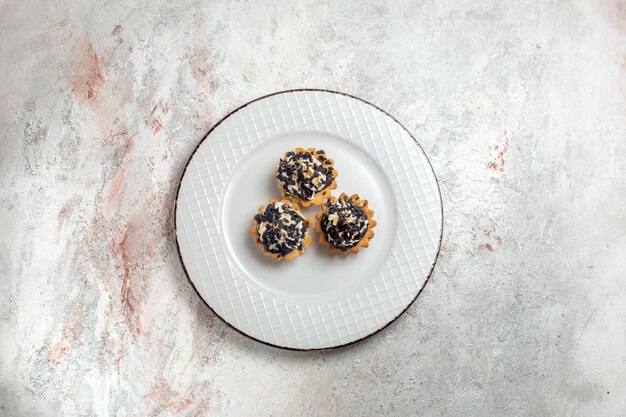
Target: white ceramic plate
point(318, 300)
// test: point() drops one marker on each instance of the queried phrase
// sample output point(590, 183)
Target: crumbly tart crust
point(306, 241)
point(369, 216)
point(324, 172)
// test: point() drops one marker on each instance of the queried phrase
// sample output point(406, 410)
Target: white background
point(524, 314)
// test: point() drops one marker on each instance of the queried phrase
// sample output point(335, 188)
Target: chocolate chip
point(280, 232)
point(348, 224)
point(304, 174)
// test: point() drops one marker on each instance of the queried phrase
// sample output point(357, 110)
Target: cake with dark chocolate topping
point(281, 230)
point(306, 176)
point(345, 224)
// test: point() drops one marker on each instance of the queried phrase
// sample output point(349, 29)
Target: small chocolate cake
point(305, 174)
point(345, 223)
point(281, 229)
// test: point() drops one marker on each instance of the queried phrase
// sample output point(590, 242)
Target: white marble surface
point(520, 106)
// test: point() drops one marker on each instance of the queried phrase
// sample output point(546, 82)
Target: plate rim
point(295, 90)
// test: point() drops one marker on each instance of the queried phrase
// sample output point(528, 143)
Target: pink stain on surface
point(497, 154)
point(120, 134)
point(163, 397)
point(118, 359)
point(116, 184)
point(109, 350)
point(202, 71)
point(493, 239)
point(134, 248)
point(491, 233)
point(127, 298)
point(156, 392)
point(87, 78)
point(157, 125)
point(130, 226)
point(65, 213)
point(487, 246)
point(155, 119)
point(71, 332)
point(178, 405)
point(101, 80)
